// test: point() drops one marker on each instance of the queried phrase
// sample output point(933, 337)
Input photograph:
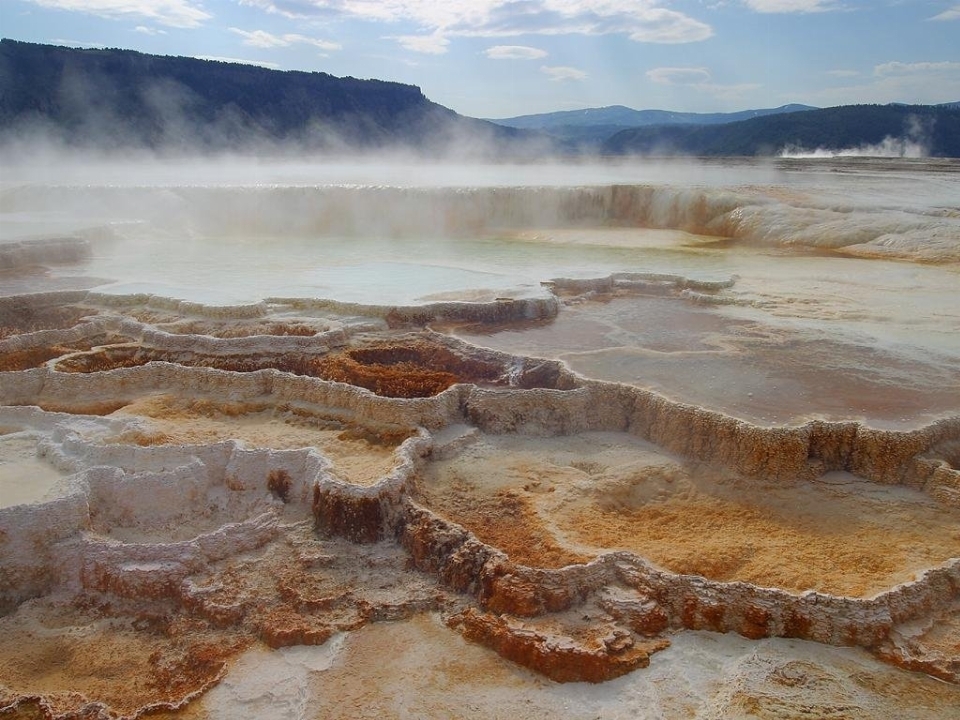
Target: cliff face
point(121, 98)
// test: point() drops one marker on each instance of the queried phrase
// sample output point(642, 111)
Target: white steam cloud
point(914, 143)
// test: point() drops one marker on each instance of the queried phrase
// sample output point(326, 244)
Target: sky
point(503, 58)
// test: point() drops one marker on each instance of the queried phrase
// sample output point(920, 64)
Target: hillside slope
point(619, 115)
point(121, 98)
point(911, 129)
point(587, 129)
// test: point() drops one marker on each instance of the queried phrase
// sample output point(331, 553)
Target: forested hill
point(932, 130)
point(122, 98)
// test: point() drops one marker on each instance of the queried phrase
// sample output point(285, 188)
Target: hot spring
point(686, 431)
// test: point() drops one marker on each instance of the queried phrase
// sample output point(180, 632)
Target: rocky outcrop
point(595, 659)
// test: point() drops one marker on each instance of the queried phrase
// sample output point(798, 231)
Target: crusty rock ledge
point(253, 496)
point(921, 458)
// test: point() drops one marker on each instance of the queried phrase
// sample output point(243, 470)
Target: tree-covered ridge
point(111, 97)
point(934, 129)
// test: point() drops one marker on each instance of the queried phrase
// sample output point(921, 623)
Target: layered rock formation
point(229, 476)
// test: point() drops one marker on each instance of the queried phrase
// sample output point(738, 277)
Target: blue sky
point(500, 58)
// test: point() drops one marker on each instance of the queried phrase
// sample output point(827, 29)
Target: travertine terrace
point(226, 510)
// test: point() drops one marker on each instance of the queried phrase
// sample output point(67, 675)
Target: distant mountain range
point(618, 115)
point(617, 130)
point(117, 99)
point(920, 130)
point(588, 128)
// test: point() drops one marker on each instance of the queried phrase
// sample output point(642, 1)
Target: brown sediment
point(279, 483)
point(738, 541)
point(12, 360)
point(21, 317)
point(44, 310)
point(100, 663)
point(122, 648)
point(154, 317)
point(415, 367)
point(288, 592)
point(656, 599)
point(236, 329)
point(359, 518)
point(360, 454)
point(24, 359)
point(506, 520)
point(597, 658)
point(545, 501)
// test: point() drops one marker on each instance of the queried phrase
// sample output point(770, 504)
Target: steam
point(889, 147)
point(914, 143)
point(170, 123)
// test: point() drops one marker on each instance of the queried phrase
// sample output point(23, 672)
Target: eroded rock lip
point(404, 366)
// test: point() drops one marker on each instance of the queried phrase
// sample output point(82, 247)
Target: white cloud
point(427, 44)
point(659, 25)
point(559, 73)
point(899, 68)
point(239, 61)
point(951, 14)
point(262, 39)
point(173, 13)
point(640, 20)
point(843, 73)
point(514, 52)
point(789, 6)
point(148, 30)
point(699, 79)
point(679, 76)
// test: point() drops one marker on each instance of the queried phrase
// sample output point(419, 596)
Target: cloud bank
point(172, 13)
point(640, 20)
point(262, 39)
